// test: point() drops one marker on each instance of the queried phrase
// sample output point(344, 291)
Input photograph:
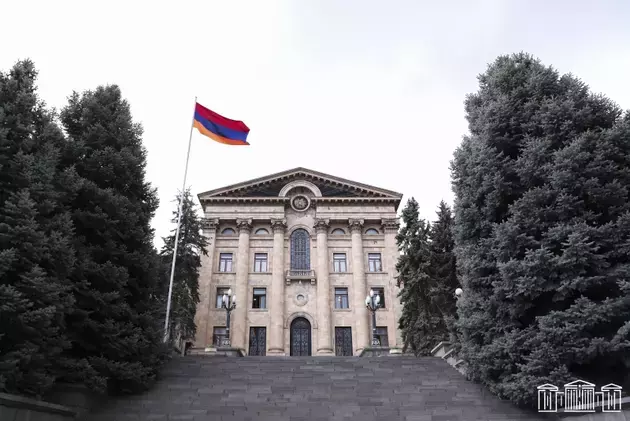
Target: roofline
point(274, 199)
point(258, 180)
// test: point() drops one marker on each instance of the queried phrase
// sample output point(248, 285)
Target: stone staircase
point(200, 388)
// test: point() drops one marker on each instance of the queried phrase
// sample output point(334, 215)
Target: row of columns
point(277, 302)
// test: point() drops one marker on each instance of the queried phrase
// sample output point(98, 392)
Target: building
point(301, 251)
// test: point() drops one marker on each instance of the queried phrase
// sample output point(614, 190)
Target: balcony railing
point(300, 275)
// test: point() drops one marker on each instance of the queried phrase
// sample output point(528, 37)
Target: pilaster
point(277, 309)
point(359, 285)
point(202, 314)
point(324, 315)
point(239, 322)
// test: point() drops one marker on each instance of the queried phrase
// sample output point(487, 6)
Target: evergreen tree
point(114, 324)
point(542, 231)
point(36, 255)
point(415, 322)
point(191, 246)
point(443, 273)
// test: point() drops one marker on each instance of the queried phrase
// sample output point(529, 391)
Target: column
point(238, 333)
point(276, 310)
point(362, 323)
point(203, 338)
point(390, 228)
point(324, 316)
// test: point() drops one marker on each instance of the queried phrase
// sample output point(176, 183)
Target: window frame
point(232, 231)
point(262, 303)
point(339, 302)
point(381, 291)
point(372, 231)
point(258, 268)
point(216, 336)
point(379, 334)
point(231, 260)
point(219, 297)
point(379, 260)
point(335, 231)
point(257, 232)
point(344, 260)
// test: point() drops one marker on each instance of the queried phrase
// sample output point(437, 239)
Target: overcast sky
point(367, 90)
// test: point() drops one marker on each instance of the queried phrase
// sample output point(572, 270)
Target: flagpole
point(179, 220)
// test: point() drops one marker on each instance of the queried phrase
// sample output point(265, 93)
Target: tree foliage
point(191, 246)
point(114, 324)
point(36, 254)
point(542, 231)
point(443, 273)
point(426, 270)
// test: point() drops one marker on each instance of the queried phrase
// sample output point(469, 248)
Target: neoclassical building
point(300, 250)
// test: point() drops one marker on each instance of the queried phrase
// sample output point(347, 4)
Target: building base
point(222, 351)
point(380, 351)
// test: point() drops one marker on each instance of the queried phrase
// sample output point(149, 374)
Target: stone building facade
point(300, 250)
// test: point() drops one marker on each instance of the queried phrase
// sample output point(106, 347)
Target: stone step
point(311, 388)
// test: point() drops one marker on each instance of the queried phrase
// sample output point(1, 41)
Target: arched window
point(338, 231)
point(261, 231)
point(300, 250)
point(371, 231)
point(228, 231)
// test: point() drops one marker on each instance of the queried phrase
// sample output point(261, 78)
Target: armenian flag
point(219, 128)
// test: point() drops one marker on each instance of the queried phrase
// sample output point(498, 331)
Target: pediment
point(327, 186)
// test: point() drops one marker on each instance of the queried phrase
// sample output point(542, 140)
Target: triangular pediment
point(273, 185)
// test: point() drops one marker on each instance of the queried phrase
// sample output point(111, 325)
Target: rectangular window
point(225, 262)
point(220, 292)
point(339, 262)
point(381, 335)
point(381, 292)
point(341, 298)
point(218, 334)
point(259, 300)
point(260, 262)
point(374, 262)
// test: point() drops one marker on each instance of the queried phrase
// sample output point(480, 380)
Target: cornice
point(305, 174)
point(286, 200)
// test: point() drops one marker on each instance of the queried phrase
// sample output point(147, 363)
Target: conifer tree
point(413, 241)
point(191, 246)
point(36, 254)
point(542, 232)
point(116, 276)
point(443, 273)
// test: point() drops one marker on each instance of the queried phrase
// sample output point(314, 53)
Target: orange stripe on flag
point(216, 137)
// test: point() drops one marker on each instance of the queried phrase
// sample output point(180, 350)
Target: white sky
point(371, 91)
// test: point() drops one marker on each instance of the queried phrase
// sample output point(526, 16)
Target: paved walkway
point(198, 388)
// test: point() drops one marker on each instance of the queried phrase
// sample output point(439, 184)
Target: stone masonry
point(261, 217)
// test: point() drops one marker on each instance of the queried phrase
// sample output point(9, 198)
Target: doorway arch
point(300, 337)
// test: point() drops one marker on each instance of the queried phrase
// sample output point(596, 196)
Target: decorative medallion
point(301, 298)
point(300, 203)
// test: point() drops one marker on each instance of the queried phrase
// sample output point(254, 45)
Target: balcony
point(300, 275)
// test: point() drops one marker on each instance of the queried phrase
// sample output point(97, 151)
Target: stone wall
point(18, 408)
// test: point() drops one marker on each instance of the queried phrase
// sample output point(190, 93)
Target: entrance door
point(300, 337)
point(343, 341)
point(257, 341)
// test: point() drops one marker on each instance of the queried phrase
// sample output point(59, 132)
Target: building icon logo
point(579, 396)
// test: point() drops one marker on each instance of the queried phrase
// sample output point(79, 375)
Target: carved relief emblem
point(300, 203)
